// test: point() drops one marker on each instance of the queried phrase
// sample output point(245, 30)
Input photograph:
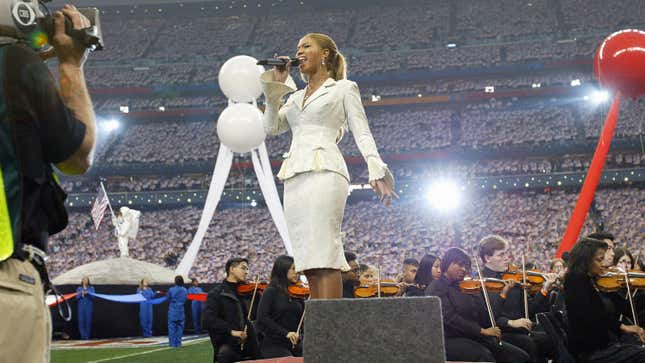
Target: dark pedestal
point(374, 330)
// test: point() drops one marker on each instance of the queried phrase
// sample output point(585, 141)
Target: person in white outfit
point(316, 180)
point(127, 226)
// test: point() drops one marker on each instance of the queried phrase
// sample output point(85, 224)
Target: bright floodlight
point(111, 125)
point(575, 83)
point(599, 96)
point(444, 195)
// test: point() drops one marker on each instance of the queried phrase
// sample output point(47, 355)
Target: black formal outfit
point(538, 344)
point(463, 318)
point(618, 306)
point(593, 328)
point(415, 291)
point(226, 310)
point(279, 314)
point(348, 289)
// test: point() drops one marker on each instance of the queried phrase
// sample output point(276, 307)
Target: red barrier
point(591, 180)
point(60, 299)
point(198, 297)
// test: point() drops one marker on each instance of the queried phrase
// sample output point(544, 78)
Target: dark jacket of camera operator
point(40, 125)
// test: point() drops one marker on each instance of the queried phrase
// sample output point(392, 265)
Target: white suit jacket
point(318, 125)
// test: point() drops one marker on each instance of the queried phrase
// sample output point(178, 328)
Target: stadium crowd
point(409, 228)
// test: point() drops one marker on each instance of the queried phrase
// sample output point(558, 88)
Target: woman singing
point(316, 180)
point(592, 328)
point(279, 314)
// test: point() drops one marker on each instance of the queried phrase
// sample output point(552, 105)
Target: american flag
point(98, 208)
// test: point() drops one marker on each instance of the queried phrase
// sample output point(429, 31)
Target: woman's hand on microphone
point(280, 73)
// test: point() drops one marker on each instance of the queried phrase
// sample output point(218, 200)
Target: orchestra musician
point(429, 270)
point(408, 272)
point(279, 313)
point(468, 333)
point(593, 328)
point(226, 316)
point(514, 321)
point(350, 277)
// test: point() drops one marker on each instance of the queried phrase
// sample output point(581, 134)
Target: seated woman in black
point(279, 314)
point(466, 324)
point(591, 327)
point(429, 269)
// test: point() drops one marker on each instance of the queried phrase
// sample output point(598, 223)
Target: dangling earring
point(323, 61)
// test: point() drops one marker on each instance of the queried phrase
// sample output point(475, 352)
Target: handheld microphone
point(279, 62)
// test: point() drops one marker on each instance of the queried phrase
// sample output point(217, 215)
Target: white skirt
point(314, 203)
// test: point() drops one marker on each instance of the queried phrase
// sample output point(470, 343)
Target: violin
point(614, 280)
point(248, 288)
point(298, 290)
point(474, 286)
point(534, 279)
point(387, 288)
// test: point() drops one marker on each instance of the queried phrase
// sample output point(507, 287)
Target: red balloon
point(619, 63)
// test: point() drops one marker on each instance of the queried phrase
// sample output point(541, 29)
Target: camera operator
point(40, 125)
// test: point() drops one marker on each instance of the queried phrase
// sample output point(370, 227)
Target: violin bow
point(490, 310)
point(526, 297)
point(302, 319)
point(631, 300)
point(378, 275)
point(248, 317)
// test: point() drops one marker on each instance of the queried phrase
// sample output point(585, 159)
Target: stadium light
point(111, 125)
point(451, 45)
point(575, 83)
point(598, 97)
point(489, 89)
point(444, 195)
point(124, 109)
point(536, 85)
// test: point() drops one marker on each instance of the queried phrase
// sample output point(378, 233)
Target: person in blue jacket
point(176, 318)
point(197, 306)
point(145, 308)
point(85, 307)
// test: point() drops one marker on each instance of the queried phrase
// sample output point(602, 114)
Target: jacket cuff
point(378, 170)
point(274, 90)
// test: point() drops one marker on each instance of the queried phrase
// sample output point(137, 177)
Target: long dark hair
point(620, 252)
point(424, 273)
point(281, 268)
point(582, 254)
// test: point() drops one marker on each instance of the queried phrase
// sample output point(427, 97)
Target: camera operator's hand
point(69, 51)
point(73, 90)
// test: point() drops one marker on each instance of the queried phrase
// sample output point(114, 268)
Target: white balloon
point(239, 127)
point(239, 78)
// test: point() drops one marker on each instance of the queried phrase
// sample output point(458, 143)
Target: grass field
point(201, 351)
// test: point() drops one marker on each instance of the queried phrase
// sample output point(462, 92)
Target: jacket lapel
point(323, 90)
